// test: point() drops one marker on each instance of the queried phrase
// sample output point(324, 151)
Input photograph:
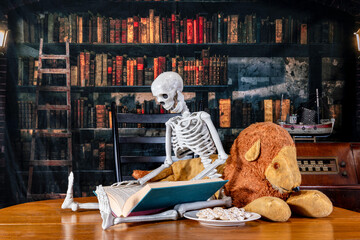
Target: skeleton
point(186, 134)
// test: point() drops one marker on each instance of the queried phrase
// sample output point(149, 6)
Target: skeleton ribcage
point(191, 135)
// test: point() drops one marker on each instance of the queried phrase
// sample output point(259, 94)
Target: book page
point(119, 194)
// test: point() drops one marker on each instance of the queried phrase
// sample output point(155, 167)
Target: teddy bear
point(264, 176)
point(262, 173)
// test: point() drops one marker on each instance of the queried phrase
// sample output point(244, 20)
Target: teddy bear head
point(262, 162)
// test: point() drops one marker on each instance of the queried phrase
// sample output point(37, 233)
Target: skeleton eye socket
point(165, 96)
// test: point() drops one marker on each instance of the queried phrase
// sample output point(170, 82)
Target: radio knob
point(344, 174)
point(342, 164)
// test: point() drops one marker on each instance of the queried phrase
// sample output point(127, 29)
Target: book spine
point(190, 31)
point(112, 24)
point(104, 70)
point(140, 71)
point(152, 27)
point(225, 113)
point(119, 68)
point(130, 30)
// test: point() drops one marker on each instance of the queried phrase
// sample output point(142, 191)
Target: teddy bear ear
point(254, 152)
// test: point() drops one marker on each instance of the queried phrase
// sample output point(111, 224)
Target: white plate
point(220, 223)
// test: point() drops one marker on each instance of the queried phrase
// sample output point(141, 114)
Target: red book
point(190, 31)
point(140, 71)
point(112, 30)
point(136, 29)
point(173, 28)
point(113, 74)
point(196, 31)
point(156, 68)
point(123, 31)
point(119, 67)
point(118, 71)
point(181, 31)
point(117, 37)
point(201, 29)
point(162, 65)
point(169, 28)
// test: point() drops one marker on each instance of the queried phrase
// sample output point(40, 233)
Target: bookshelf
point(295, 63)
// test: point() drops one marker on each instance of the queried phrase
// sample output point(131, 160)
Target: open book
point(153, 197)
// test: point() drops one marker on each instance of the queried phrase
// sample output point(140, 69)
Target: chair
point(120, 140)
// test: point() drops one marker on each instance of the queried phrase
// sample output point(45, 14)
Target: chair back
point(119, 140)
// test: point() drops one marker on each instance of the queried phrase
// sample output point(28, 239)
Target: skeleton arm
point(168, 159)
point(221, 152)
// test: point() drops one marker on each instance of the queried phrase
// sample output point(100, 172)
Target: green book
point(139, 200)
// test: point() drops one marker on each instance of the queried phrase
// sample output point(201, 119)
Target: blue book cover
point(163, 197)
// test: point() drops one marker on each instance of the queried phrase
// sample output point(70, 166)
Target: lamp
point(3, 34)
point(357, 34)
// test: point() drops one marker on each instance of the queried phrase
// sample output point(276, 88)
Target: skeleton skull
point(165, 88)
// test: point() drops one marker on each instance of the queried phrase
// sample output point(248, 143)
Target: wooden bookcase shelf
point(190, 50)
point(114, 89)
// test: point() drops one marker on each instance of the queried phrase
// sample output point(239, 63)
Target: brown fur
point(247, 180)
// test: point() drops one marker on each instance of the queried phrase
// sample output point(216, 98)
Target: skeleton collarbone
point(191, 135)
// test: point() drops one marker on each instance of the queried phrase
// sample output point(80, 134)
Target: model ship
point(310, 125)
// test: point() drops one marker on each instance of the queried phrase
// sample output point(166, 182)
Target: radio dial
point(344, 174)
point(342, 164)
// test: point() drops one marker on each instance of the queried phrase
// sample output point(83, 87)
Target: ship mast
point(317, 106)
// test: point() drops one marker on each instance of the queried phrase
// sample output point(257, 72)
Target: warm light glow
point(358, 39)
point(3, 36)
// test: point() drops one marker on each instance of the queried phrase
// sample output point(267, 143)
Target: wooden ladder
point(48, 132)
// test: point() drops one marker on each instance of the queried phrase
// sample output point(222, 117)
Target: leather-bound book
point(92, 73)
point(157, 30)
point(113, 74)
point(225, 113)
point(140, 71)
point(117, 37)
point(109, 72)
point(98, 69)
point(130, 30)
point(268, 110)
point(201, 29)
point(136, 29)
point(156, 68)
point(87, 68)
point(112, 30)
point(143, 30)
point(124, 31)
point(190, 31)
point(99, 29)
point(104, 70)
point(119, 68)
point(278, 30)
point(79, 21)
point(74, 75)
point(303, 34)
point(82, 69)
point(152, 27)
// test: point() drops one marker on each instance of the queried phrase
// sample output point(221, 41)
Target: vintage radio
point(332, 168)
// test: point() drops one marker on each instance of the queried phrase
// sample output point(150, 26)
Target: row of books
point(275, 110)
point(105, 70)
point(55, 119)
point(96, 154)
point(25, 114)
point(156, 28)
point(86, 115)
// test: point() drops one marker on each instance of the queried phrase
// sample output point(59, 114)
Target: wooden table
point(46, 220)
